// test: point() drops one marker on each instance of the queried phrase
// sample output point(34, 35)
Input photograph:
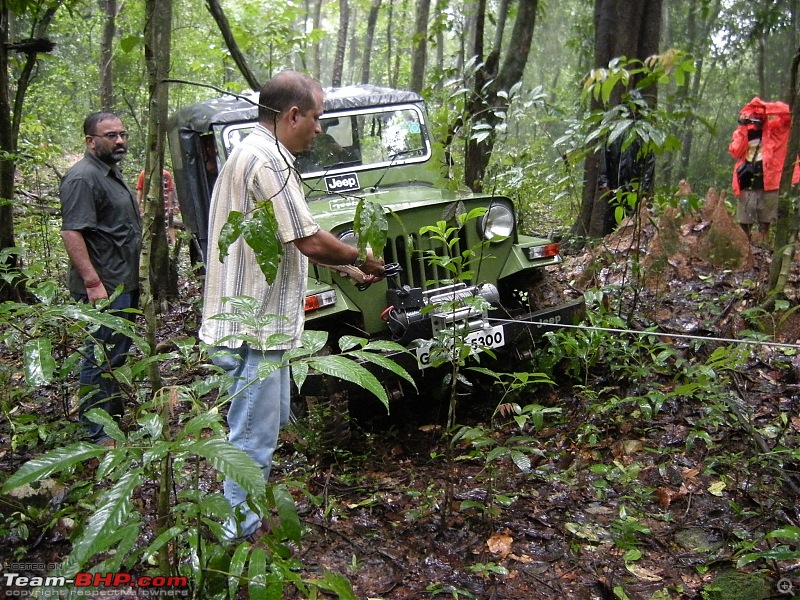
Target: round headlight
point(497, 223)
point(349, 237)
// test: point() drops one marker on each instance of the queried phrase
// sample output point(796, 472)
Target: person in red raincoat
point(759, 147)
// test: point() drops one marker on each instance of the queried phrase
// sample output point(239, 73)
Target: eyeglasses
point(112, 135)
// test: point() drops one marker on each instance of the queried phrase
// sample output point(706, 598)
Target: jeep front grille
point(410, 251)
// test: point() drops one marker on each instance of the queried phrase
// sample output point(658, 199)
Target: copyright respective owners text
point(40, 580)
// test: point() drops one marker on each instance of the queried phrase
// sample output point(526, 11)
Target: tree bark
point(629, 28)
point(341, 43)
point(111, 11)
point(221, 20)
point(369, 37)
point(786, 230)
point(316, 60)
point(13, 288)
point(419, 46)
point(488, 104)
point(158, 278)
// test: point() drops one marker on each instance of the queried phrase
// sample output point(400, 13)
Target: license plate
point(493, 337)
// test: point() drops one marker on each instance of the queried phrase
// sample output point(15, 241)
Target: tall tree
point(158, 43)
point(492, 87)
point(341, 43)
point(316, 59)
point(419, 46)
point(159, 277)
point(15, 77)
point(786, 231)
point(110, 10)
point(701, 20)
point(369, 36)
point(629, 28)
point(218, 14)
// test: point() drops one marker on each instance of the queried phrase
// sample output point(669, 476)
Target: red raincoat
point(774, 141)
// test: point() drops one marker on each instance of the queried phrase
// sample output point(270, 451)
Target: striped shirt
point(258, 169)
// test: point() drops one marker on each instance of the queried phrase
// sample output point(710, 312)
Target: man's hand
point(96, 291)
point(373, 267)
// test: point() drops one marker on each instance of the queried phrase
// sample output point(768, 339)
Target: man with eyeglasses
point(102, 233)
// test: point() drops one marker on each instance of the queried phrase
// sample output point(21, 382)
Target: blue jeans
point(257, 411)
point(98, 387)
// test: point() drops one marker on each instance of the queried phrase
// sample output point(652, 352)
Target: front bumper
point(521, 333)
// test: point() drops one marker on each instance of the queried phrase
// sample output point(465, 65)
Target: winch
point(417, 314)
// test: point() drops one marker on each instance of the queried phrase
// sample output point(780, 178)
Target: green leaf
point(229, 233)
point(163, 538)
point(110, 426)
point(39, 362)
point(86, 313)
point(299, 373)
point(385, 363)
point(349, 370)
point(776, 553)
point(287, 512)
point(370, 227)
point(261, 234)
point(231, 462)
point(115, 506)
point(788, 533)
point(348, 342)
point(498, 452)
point(521, 460)
point(257, 574)
point(129, 43)
point(333, 582)
point(236, 568)
point(205, 420)
point(54, 461)
point(386, 346)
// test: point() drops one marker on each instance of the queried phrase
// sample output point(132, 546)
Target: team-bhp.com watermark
point(19, 581)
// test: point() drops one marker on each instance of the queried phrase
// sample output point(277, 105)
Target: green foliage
point(260, 231)
point(156, 449)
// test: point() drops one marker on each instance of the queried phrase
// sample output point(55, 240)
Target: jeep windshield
point(355, 140)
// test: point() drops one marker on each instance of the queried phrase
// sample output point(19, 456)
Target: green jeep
point(376, 145)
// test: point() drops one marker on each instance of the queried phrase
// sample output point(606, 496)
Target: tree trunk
point(369, 37)
point(111, 11)
point(786, 230)
point(316, 60)
point(221, 20)
point(629, 28)
point(159, 281)
point(341, 43)
point(157, 51)
point(389, 45)
point(500, 27)
point(488, 104)
point(419, 46)
point(12, 284)
point(352, 56)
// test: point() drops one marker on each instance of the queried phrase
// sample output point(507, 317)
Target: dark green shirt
point(98, 203)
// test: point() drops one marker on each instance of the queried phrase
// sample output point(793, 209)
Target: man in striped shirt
point(260, 169)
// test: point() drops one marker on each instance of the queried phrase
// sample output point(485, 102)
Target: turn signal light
point(547, 251)
point(321, 300)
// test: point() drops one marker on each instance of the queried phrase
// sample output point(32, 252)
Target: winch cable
point(685, 336)
point(743, 420)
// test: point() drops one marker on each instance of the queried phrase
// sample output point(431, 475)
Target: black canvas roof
point(229, 109)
